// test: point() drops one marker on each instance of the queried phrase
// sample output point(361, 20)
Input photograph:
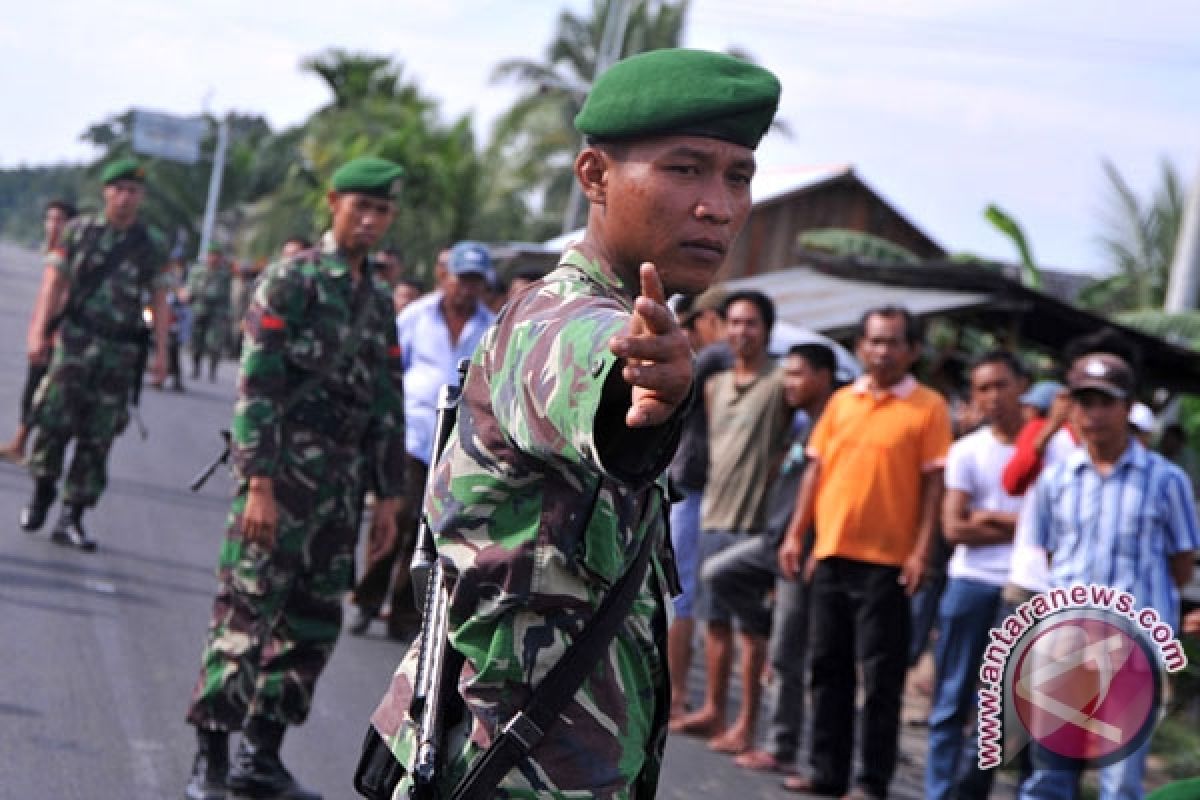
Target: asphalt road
point(98, 653)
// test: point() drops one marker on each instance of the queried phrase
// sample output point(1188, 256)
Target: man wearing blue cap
point(435, 333)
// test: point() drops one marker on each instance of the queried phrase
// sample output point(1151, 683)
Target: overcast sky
point(941, 105)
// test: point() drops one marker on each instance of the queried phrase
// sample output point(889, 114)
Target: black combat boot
point(196, 367)
point(210, 768)
point(257, 772)
point(33, 515)
point(69, 530)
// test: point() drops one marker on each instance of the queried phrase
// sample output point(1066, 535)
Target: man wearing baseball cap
point(1112, 513)
point(435, 332)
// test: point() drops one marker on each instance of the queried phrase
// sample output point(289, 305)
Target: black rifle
point(378, 771)
point(436, 668)
point(208, 471)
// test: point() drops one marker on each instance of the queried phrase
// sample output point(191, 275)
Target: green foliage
point(1180, 327)
point(845, 242)
point(24, 192)
point(1177, 743)
point(1006, 224)
point(535, 142)
point(449, 190)
point(1139, 243)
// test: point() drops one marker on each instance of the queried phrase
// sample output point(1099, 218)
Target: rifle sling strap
point(521, 734)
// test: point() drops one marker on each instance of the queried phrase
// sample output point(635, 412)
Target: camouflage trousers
point(84, 397)
point(210, 333)
point(278, 611)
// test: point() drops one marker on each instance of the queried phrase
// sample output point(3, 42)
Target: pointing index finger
point(651, 284)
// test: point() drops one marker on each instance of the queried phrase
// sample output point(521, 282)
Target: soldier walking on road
point(210, 293)
point(94, 296)
point(58, 214)
point(319, 420)
point(570, 412)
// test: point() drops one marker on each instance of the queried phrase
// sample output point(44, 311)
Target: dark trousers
point(174, 368)
point(858, 612)
point(33, 379)
point(384, 564)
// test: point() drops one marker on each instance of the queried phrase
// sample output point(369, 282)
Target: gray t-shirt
point(689, 468)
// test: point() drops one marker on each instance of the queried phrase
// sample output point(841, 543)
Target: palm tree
point(1139, 243)
point(1008, 225)
point(353, 78)
point(536, 138)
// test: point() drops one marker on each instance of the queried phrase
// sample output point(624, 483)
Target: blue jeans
point(685, 541)
point(967, 612)
point(1119, 781)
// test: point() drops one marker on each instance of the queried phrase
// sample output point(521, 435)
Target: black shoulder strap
point(91, 280)
point(521, 734)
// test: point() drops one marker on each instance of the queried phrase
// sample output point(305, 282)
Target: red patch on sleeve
point(271, 322)
point(395, 351)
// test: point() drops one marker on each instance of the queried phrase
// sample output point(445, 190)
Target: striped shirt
point(1118, 530)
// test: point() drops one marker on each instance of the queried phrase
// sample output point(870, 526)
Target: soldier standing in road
point(58, 214)
point(110, 266)
point(210, 293)
point(318, 421)
point(570, 413)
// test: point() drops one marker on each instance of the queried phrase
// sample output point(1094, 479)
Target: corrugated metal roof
point(829, 305)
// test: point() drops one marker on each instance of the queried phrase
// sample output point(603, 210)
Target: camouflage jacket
point(300, 318)
point(210, 291)
point(533, 529)
point(116, 305)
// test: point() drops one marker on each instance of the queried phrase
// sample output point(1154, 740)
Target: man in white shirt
point(979, 518)
point(435, 332)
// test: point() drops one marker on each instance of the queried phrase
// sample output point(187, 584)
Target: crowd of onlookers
point(825, 531)
point(833, 532)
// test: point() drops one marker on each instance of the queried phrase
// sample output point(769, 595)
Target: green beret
point(377, 177)
point(123, 169)
point(681, 92)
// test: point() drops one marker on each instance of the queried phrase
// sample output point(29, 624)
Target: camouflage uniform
point(533, 529)
point(211, 297)
point(85, 395)
point(278, 612)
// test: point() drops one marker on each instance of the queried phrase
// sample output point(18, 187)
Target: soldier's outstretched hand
point(658, 358)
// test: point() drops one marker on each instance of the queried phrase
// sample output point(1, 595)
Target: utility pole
point(1183, 282)
point(214, 186)
point(612, 40)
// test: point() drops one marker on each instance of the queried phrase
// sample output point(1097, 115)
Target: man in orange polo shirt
point(872, 488)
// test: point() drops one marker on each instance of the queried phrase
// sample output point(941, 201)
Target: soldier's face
point(676, 201)
point(359, 220)
point(121, 202)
